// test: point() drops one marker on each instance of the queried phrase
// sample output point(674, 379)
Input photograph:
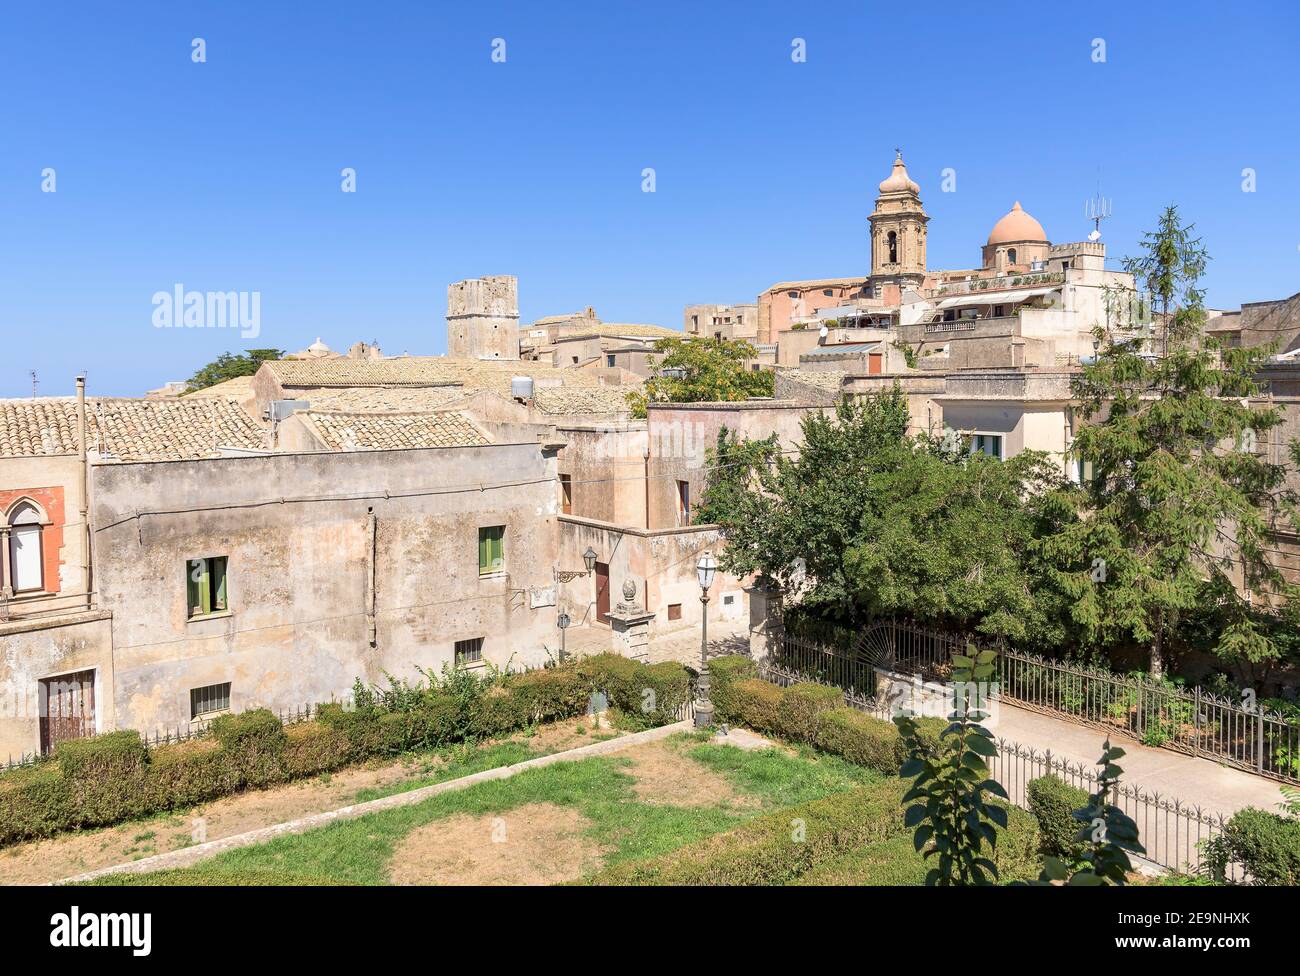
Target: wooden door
point(602, 592)
point(875, 363)
point(67, 708)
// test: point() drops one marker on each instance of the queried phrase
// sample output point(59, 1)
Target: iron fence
point(1174, 833)
point(1243, 734)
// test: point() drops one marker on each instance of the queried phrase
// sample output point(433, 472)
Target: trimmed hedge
point(1265, 844)
point(109, 778)
point(723, 673)
point(777, 847)
point(816, 714)
point(897, 862)
point(1053, 802)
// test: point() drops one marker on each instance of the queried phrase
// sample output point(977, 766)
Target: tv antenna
point(1097, 209)
point(35, 382)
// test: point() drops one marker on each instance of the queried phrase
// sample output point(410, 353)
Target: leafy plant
point(953, 821)
point(1107, 835)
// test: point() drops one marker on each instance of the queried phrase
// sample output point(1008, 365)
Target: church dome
point(1017, 226)
point(898, 181)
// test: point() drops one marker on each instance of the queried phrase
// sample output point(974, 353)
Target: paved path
point(1200, 782)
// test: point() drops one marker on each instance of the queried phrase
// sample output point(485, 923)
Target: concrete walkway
point(1199, 782)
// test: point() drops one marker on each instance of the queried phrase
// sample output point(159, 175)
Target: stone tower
point(898, 232)
point(483, 318)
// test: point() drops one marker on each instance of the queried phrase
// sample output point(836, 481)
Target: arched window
point(893, 247)
point(26, 567)
point(1011, 255)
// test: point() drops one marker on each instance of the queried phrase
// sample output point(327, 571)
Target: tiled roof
point(382, 399)
point(419, 371)
point(597, 400)
point(125, 429)
point(238, 388)
point(342, 431)
point(815, 283)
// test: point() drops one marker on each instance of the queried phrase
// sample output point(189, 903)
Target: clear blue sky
point(226, 175)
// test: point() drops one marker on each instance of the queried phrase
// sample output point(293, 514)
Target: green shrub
point(757, 704)
point(860, 738)
point(723, 673)
point(104, 777)
point(801, 704)
point(897, 862)
point(253, 743)
point(671, 686)
point(1265, 844)
point(549, 694)
point(1053, 802)
point(34, 802)
point(775, 848)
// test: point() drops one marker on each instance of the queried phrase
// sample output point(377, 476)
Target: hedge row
point(811, 713)
point(775, 848)
point(113, 777)
point(897, 862)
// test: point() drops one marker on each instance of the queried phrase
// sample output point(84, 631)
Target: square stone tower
point(483, 318)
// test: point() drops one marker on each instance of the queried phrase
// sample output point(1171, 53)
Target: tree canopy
point(694, 370)
point(228, 366)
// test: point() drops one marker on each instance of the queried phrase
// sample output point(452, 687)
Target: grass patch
point(359, 851)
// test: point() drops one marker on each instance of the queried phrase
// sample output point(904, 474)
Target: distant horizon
point(230, 174)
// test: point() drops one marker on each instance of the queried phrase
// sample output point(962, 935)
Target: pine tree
point(1180, 500)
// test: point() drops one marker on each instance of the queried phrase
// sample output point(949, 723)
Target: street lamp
point(589, 557)
point(562, 621)
point(705, 570)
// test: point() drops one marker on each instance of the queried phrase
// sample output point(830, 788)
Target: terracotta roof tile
point(126, 429)
point(344, 431)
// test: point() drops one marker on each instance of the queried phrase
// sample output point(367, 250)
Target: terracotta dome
point(898, 180)
point(1017, 226)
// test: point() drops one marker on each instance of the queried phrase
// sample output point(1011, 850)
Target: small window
point(683, 503)
point(491, 550)
point(989, 444)
point(209, 700)
point(609, 360)
point(793, 294)
point(674, 611)
point(1011, 256)
point(827, 292)
point(566, 494)
point(469, 651)
point(575, 360)
point(728, 599)
point(206, 586)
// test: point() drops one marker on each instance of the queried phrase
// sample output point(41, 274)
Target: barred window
point(469, 651)
point(209, 700)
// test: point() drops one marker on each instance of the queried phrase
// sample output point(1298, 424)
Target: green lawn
point(358, 851)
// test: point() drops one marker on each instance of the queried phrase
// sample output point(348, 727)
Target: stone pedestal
point(631, 627)
point(766, 624)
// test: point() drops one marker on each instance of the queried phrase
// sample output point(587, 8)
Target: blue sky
point(225, 175)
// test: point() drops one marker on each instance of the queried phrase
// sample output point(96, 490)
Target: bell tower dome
point(898, 232)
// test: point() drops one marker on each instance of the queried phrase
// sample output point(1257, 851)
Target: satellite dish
point(1094, 235)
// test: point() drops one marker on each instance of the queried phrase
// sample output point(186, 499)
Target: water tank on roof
point(521, 388)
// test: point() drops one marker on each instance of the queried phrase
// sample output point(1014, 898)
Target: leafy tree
point(1108, 833)
point(1179, 506)
point(709, 370)
point(227, 367)
point(868, 521)
point(953, 820)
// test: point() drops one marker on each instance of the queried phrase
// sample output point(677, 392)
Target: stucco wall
point(297, 630)
point(35, 649)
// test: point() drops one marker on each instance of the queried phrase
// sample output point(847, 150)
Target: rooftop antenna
point(1097, 209)
point(35, 383)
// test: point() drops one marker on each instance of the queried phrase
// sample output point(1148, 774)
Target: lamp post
point(589, 557)
point(562, 621)
point(704, 570)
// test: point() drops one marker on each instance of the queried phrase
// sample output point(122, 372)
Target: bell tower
point(898, 232)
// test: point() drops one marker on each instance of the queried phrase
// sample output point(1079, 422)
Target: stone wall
point(483, 318)
point(309, 538)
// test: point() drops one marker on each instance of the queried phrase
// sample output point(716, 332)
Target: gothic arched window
point(893, 247)
point(26, 569)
